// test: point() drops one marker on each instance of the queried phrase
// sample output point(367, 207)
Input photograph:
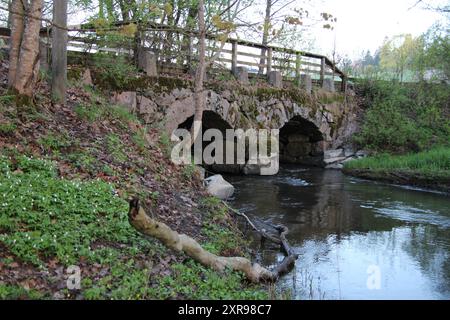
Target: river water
point(355, 239)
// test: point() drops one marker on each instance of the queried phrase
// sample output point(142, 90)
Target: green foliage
point(47, 217)
point(83, 160)
point(44, 217)
point(7, 128)
point(400, 118)
point(217, 229)
point(121, 113)
point(116, 71)
point(193, 281)
point(14, 292)
point(435, 162)
point(166, 144)
point(91, 112)
point(55, 141)
point(115, 147)
point(189, 171)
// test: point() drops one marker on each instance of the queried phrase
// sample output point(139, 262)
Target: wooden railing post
point(344, 84)
point(322, 71)
point(233, 56)
point(298, 61)
point(269, 60)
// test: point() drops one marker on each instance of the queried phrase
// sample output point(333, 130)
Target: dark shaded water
point(356, 239)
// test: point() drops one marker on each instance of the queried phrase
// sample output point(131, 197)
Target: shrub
point(403, 117)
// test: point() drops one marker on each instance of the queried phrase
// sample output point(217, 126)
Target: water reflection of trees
point(331, 208)
point(327, 207)
point(429, 246)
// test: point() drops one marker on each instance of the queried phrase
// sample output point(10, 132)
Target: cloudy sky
point(363, 24)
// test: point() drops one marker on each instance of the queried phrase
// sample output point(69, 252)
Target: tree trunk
point(101, 12)
point(17, 28)
point(199, 97)
point(59, 52)
point(265, 38)
point(28, 65)
point(142, 222)
point(183, 243)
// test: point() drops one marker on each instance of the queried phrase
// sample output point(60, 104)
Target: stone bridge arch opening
point(301, 142)
point(213, 120)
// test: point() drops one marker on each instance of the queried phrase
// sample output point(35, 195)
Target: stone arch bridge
point(315, 127)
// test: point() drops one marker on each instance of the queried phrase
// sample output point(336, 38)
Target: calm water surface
point(356, 239)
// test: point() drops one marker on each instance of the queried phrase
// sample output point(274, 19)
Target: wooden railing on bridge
point(176, 48)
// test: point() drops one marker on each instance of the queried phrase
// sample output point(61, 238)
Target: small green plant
point(90, 113)
point(164, 141)
point(115, 147)
point(55, 141)
point(193, 281)
point(189, 171)
point(139, 140)
point(122, 114)
point(15, 292)
point(114, 71)
point(7, 128)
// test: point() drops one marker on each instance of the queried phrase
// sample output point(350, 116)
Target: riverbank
point(66, 175)
point(428, 169)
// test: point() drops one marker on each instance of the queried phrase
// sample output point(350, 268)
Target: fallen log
point(146, 225)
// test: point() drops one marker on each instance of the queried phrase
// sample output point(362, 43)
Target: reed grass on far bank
point(434, 163)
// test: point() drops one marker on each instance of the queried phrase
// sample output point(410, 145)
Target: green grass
point(435, 162)
point(94, 112)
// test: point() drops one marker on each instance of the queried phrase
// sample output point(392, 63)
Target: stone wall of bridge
point(311, 124)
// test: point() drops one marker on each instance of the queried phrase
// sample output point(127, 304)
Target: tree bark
point(265, 37)
point(183, 243)
point(28, 65)
point(199, 97)
point(17, 28)
point(59, 52)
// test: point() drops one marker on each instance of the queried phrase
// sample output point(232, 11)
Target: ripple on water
point(407, 213)
point(296, 182)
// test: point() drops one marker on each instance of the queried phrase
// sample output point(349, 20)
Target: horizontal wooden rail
point(233, 52)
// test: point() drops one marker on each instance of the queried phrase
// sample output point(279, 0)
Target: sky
point(363, 24)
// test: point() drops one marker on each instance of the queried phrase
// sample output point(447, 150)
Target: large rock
point(217, 186)
point(148, 109)
point(333, 153)
point(126, 99)
point(334, 160)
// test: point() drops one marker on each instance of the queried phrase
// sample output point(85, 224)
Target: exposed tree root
point(183, 243)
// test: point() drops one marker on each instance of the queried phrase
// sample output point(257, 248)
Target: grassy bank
point(430, 169)
point(66, 174)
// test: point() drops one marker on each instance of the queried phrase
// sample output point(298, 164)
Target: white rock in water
point(217, 186)
point(333, 153)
